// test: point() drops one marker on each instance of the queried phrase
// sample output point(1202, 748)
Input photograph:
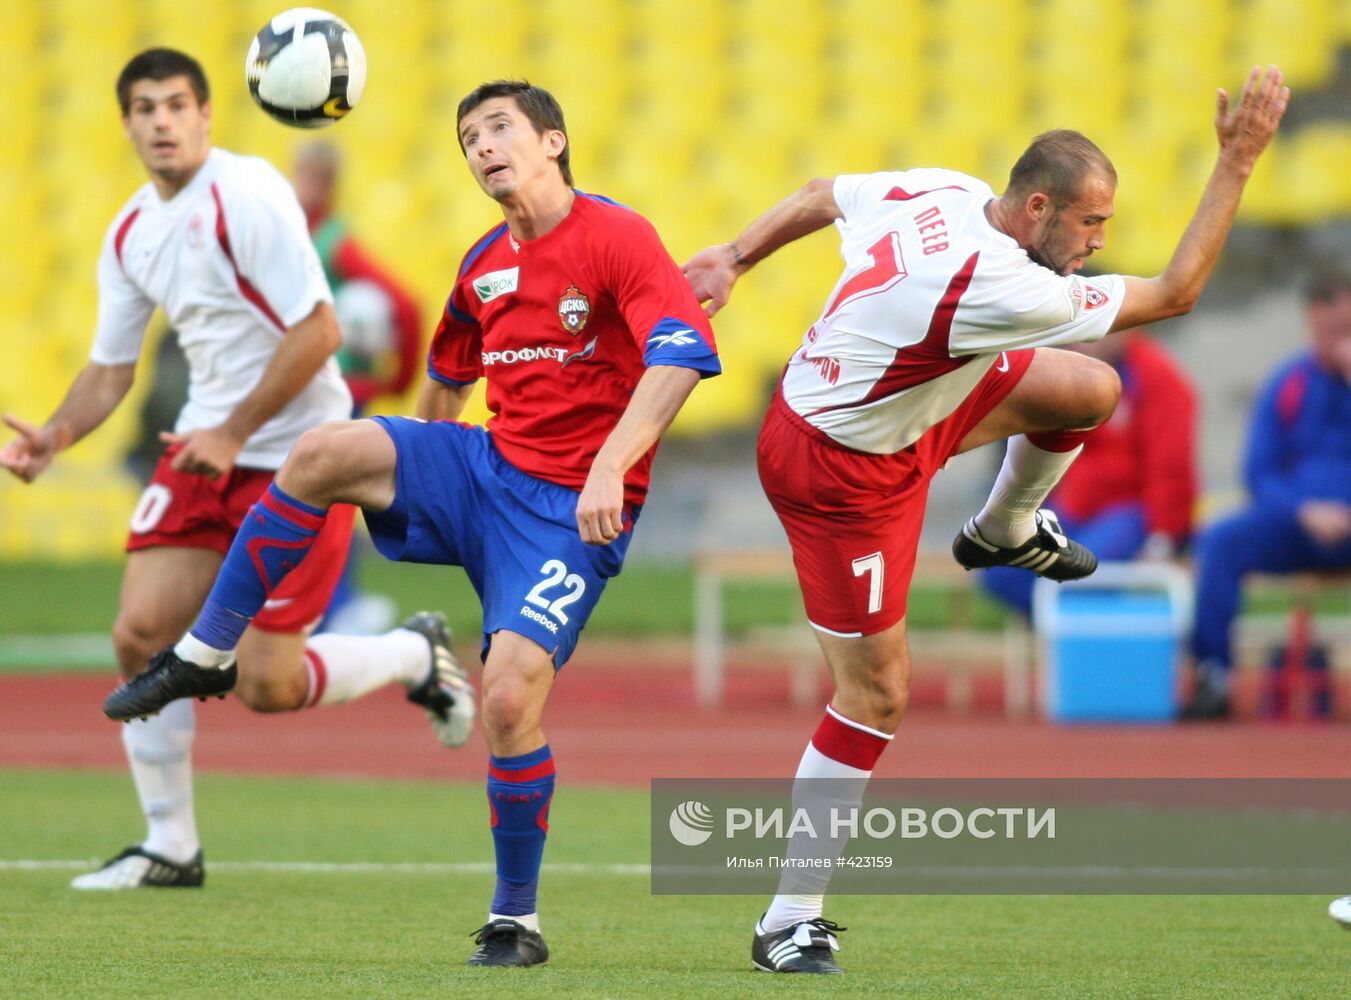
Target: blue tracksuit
point(1299, 448)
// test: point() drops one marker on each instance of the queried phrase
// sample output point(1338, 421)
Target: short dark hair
point(537, 104)
point(1056, 164)
point(161, 64)
point(1327, 281)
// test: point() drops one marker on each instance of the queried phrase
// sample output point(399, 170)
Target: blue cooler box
point(1111, 654)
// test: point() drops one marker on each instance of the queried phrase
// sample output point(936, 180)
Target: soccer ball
point(306, 68)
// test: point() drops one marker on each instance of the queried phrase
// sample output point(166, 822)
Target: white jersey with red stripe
point(230, 261)
point(930, 295)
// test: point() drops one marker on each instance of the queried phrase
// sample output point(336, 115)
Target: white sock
point(160, 753)
point(194, 650)
point(345, 667)
point(1025, 480)
point(789, 908)
point(530, 921)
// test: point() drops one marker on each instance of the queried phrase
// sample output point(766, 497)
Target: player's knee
point(267, 691)
point(135, 641)
point(879, 698)
point(1101, 391)
point(507, 712)
point(316, 461)
point(890, 696)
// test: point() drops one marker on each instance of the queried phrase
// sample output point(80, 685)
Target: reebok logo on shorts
point(535, 616)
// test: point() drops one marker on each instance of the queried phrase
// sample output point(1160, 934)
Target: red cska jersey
point(562, 327)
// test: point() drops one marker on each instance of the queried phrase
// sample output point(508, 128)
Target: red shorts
point(853, 518)
point(193, 512)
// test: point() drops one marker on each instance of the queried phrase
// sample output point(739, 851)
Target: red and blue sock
point(519, 792)
point(276, 535)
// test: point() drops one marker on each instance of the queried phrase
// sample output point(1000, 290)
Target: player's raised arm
point(1244, 130)
point(304, 348)
point(93, 395)
point(713, 271)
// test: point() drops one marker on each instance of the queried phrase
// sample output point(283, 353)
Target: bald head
point(1057, 164)
point(1058, 201)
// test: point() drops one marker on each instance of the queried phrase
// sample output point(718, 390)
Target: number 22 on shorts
point(556, 575)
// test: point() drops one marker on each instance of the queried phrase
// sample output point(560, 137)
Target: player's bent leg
point(350, 462)
point(347, 461)
point(287, 671)
point(517, 677)
point(1057, 400)
point(272, 674)
point(1060, 390)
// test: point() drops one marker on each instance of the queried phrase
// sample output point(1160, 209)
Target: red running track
point(609, 724)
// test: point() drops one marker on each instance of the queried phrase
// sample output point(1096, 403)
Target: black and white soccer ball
point(306, 68)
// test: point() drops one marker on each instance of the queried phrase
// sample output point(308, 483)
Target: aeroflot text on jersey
point(524, 354)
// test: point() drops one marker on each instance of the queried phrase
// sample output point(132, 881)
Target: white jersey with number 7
point(930, 296)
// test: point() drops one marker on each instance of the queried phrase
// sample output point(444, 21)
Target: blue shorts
point(458, 502)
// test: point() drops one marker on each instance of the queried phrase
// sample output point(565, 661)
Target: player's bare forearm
point(438, 401)
point(93, 395)
point(303, 350)
point(713, 271)
point(810, 208)
point(656, 400)
point(1243, 132)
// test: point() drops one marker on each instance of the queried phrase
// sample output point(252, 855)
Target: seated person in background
point(1131, 493)
point(1298, 473)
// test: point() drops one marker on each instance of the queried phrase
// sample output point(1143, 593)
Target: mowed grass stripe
point(346, 867)
point(302, 934)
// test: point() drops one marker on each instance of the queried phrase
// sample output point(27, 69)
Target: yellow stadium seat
point(1309, 180)
point(878, 74)
point(1074, 85)
point(1299, 38)
point(473, 46)
point(978, 67)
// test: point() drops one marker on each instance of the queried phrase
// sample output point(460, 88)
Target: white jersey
point(930, 295)
point(230, 261)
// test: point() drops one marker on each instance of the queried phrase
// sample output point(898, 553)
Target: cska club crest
point(574, 309)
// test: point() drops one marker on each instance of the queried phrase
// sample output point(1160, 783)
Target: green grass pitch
point(282, 932)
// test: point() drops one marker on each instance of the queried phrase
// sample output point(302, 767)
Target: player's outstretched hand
point(711, 273)
point(208, 451)
point(600, 508)
point(29, 453)
point(1245, 129)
